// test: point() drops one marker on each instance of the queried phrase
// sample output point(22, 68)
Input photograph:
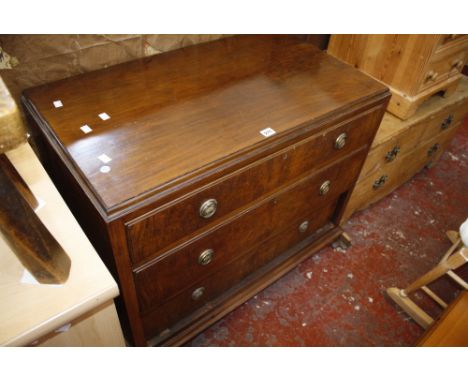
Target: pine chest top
point(131, 130)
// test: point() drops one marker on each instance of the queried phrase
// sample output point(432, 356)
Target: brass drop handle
point(380, 182)
point(392, 154)
point(206, 257)
point(198, 293)
point(457, 64)
point(433, 149)
point(341, 141)
point(208, 208)
point(447, 122)
point(303, 226)
point(325, 187)
point(431, 76)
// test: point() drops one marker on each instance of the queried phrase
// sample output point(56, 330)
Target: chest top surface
point(174, 113)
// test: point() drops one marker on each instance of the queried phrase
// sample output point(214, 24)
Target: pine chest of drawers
point(402, 148)
point(414, 66)
point(204, 174)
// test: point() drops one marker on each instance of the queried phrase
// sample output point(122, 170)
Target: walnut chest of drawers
point(413, 66)
point(204, 174)
point(402, 148)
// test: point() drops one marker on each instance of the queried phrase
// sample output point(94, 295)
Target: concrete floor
point(337, 298)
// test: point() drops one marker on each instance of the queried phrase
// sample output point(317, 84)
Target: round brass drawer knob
point(206, 257)
point(198, 293)
point(208, 208)
point(341, 141)
point(303, 226)
point(325, 187)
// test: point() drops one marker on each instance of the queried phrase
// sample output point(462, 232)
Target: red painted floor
point(337, 298)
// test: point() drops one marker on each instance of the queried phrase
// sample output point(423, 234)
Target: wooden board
point(30, 311)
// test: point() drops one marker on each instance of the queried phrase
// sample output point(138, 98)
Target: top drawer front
point(154, 232)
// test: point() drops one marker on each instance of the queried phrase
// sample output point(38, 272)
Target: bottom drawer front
point(385, 180)
point(199, 296)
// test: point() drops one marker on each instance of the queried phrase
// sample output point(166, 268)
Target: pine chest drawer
point(402, 148)
point(203, 174)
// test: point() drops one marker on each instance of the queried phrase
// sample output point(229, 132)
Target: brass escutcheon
point(380, 182)
point(447, 122)
point(392, 154)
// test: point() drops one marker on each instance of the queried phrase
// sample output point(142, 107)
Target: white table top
point(29, 311)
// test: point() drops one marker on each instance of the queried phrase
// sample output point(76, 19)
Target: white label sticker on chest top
point(268, 132)
point(104, 116)
point(86, 129)
point(104, 158)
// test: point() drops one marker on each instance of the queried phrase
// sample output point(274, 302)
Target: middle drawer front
point(185, 265)
point(154, 232)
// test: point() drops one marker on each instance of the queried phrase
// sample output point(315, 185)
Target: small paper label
point(86, 129)
point(268, 132)
point(104, 158)
point(104, 116)
point(105, 169)
point(58, 103)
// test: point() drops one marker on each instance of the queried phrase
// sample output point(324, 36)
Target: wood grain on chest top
point(175, 113)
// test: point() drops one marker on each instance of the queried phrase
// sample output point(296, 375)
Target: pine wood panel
point(397, 60)
point(190, 107)
point(398, 172)
point(414, 66)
